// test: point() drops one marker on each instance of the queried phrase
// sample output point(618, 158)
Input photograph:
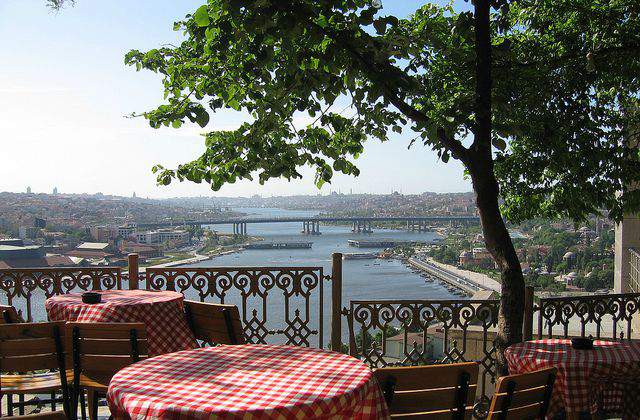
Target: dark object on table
point(582, 343)
point(91, 297)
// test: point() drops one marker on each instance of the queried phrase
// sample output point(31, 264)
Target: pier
point(447, 276)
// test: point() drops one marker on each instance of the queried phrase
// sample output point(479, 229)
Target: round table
point(161, 312)
point(587, 379)
point(246, 382)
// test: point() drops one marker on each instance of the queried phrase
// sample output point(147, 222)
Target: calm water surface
point(362, 279)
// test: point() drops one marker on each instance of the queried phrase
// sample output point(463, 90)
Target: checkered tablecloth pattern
point(247, 382)
point(587, 380)
point(161, 312)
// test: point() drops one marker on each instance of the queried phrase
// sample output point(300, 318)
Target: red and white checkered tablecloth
point(161, 312)
point(587, 380)
point(247, 382)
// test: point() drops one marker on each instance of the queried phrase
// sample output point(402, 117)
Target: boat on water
point(279, 245)
point(359, 256)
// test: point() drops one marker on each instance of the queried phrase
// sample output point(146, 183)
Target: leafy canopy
point(565, 87)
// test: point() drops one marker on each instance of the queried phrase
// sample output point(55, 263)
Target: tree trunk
point(499, 244)
point(485, 185)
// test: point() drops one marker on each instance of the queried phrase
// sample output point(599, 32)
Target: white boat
point(359, 256)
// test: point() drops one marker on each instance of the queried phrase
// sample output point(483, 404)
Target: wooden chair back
point(9, 315)
point(214, 323)
point(524, 396)
point(430, 392)
point(29, 347)
point(100, 349)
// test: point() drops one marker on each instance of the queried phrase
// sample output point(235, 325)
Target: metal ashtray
point(91, 297)
point(582, 343)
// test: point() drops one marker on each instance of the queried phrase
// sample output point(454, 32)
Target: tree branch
point(341, 38)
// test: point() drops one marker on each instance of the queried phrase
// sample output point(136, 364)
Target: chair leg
point(21, 407)
point(10, 405)
point(92, 402)
point(83, 408)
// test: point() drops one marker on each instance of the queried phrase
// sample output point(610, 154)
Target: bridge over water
point(311, 224)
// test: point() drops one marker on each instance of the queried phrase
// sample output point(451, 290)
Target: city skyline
point(65, 96)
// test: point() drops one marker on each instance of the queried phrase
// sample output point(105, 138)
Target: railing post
point(527, 328)
point(336, 302)
point(133, 272)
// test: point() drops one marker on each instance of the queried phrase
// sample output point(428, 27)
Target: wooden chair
point(430, 392)
point(98, 351)
point(523, 397)
point(214, 323)
point(9, 315)
point(29, 347)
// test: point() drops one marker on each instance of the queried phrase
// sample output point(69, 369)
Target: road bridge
point(311, 224)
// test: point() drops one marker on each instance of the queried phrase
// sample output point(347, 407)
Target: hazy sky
point(64, 91)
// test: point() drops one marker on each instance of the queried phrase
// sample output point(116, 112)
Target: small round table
point(587, 379)
point(247, 382)
point(161, 312)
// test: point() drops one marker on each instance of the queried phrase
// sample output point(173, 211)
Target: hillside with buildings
point(39, 230)
point(555, 256)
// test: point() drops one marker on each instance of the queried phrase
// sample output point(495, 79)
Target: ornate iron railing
point(21, 286)
point(602, 316)
point(277, 304)
point(417, 332)
point(634, 270)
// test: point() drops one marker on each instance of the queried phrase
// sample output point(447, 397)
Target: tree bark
point(485, 185)
point(499, 244)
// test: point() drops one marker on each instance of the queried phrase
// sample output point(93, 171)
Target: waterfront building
point(144, 251)
point(15, 254)
point(92, 250)
point(163, 235)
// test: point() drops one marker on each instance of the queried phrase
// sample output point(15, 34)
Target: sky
point(65, 92)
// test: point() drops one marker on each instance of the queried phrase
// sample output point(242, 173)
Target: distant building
point(28, 232)
point(92, 250)
point(477, 257)
point(144, 251)
point(395, 346)
point(8, 252)
point(55, 190)
point(28, 190)
point(127, 230)
point(150, 237)
point(162, 236)
point(103, 233)
point(12, 242)
point(14, 254)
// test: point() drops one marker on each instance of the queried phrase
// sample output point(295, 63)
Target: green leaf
point(202, 117)
point(499, 143)
point(201, 16)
